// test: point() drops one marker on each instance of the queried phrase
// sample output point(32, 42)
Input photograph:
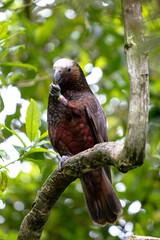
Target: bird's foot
point(55, 90)
point(62, 160)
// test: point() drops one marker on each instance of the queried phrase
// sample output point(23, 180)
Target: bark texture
point(124, 157)
point(33, 223)
point(133, 152)
point(135, 237)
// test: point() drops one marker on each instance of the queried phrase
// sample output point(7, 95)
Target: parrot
point(76, 122)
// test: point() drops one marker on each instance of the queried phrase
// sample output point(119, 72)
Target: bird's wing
point(97, 119)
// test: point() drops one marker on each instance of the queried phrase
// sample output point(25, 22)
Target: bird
point(76, 122)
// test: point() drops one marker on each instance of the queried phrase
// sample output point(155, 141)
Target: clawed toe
point(62, 160)
point(55, 90)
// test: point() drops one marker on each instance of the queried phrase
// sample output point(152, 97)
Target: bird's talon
point(62, 160)
point(55, 90)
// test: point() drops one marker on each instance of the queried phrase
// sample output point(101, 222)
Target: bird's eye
point(69, 69)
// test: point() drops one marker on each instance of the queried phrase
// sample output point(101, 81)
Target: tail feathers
point(102, 202)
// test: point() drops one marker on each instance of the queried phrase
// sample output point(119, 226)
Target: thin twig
point(31, 4)
point(29, 82)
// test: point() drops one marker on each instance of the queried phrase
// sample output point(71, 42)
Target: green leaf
point(13, 132)
point(15, 48)
point(4, 167)
point(19, 148)
point(19, 64)
point(41, 164)
point(32, 120)
point(7, 4)
point(4, 180)
point(6, 51)
point(35, 150)
point(3, 30)
point(3, 154)
point(45, 134)
point(1, 104)
point(42, 143)
point(2, 196)
point(12, 36)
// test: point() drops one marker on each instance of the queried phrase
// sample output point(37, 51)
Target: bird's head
point(69, 75)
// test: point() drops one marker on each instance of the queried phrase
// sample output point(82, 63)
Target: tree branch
point(96, 157)
point(30, 4)
point(122, 157)
point(135, 237)
point(29, 82)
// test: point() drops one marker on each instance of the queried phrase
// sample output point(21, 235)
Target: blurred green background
point(35, 34)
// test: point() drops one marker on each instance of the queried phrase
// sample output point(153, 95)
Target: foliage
point(32, 36)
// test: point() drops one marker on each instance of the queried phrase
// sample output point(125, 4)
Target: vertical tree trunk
point(137, 65)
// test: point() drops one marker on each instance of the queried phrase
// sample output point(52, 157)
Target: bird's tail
point(101, 200)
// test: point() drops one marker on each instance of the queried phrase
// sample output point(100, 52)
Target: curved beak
point(57, 77)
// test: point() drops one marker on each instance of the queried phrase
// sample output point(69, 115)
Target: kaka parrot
point(76, 122)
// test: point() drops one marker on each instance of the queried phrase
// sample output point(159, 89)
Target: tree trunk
point(134, 149)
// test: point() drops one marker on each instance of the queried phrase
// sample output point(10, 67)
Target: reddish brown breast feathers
point(75, 134)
